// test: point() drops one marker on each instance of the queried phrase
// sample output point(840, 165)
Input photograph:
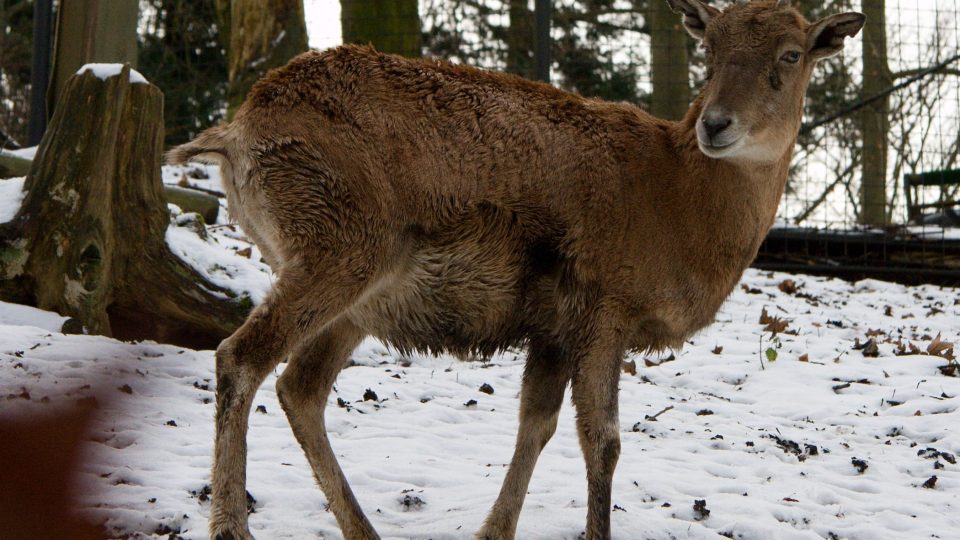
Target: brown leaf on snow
point(650, 363)
point(773, 324)
point(938, 347)
point(868, 349)
point(787, 286)
point(750, 290)
point(630, 367)
point(777, 325)
point(717, 350)
point(804, 358)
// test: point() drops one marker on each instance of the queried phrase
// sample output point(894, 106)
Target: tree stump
point(89, 239)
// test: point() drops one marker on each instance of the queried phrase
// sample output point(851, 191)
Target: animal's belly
point(471, 299)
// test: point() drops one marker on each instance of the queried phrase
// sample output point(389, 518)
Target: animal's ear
point(696, 15)
point(825, 37)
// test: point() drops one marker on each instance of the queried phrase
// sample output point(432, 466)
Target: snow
point(11, 197)
point(105, 71)
point(768, 445)
point(25, 153)
point(217, 257)
point(727, 440)
point(18, 315)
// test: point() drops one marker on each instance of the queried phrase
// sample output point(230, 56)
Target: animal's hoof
point(228, 533)
point(492, 535)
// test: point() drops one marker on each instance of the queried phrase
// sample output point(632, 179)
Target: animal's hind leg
point(297, 307)
point(544, 379)
point(303, 390)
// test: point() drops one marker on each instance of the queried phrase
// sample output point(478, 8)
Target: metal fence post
point(40, 70)
point(542, 9)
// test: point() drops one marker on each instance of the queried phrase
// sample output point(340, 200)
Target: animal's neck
point(733, 202)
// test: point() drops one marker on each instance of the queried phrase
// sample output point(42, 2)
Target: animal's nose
point(715, 123)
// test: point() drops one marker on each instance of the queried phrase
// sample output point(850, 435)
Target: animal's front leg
point(595, 395)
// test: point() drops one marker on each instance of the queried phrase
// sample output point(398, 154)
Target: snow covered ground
point(842, 425)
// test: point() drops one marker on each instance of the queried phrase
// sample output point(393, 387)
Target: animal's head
point(760, 55)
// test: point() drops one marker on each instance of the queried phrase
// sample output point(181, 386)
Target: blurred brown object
point(41, 456)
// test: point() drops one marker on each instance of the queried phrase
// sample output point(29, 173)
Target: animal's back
point(439, 135)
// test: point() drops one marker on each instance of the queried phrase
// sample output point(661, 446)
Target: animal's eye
point(791, 57)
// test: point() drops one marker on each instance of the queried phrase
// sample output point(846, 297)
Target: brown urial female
point(444, 208)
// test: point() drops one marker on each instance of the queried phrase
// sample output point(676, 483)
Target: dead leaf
point(717, 350)
point(804, 358)
point(245, 252)
point(940, 348)
point(787, 286)
point(630, 367)
point(776, 325)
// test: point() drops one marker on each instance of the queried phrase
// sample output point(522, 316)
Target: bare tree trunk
point(89, 239)
point(669, 63)
point(391, 26)
point(520, 40)
point(258, 36)
point(103, 31)
point(874, 118)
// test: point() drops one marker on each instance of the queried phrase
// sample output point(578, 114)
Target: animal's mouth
point(717, 149)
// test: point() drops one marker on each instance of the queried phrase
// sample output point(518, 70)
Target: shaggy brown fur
point(444, 208)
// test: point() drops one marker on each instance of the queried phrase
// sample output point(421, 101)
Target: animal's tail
point(212, 146)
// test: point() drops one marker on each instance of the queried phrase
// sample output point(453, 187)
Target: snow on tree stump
point(89, 239)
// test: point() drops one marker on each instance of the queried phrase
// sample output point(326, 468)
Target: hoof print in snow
point(486, 388)
point(700, 511)
point(859, 464)
point(411, 502)
point(370, 395)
